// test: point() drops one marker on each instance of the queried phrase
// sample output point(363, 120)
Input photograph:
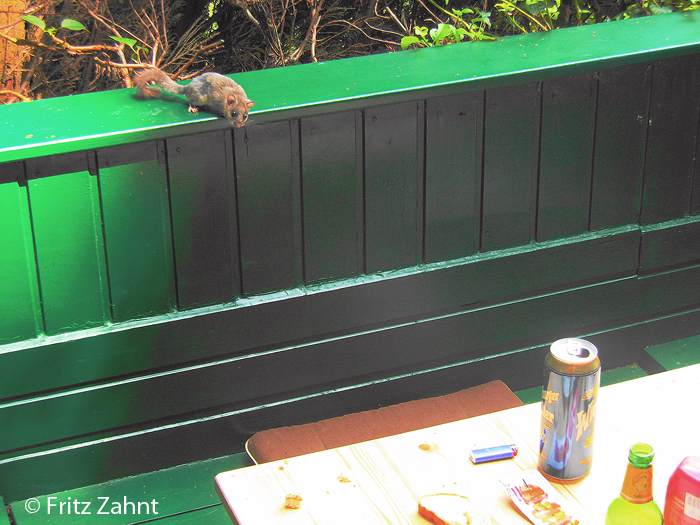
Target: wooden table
point(380, 481)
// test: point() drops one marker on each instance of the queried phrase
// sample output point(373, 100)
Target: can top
point(573, 356)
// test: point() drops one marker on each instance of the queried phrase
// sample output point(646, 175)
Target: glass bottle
point(636, 505)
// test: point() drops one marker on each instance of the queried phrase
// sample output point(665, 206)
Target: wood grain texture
point(69, 242)
point(137, 226)
point(454, 155)
point(620, 140)
point(381, 481)
point(332, 197)
point(200, 176)
point(268, 198)
point(392, 175)
point(511, 157)
point(20, 309)
point(673, 112)
point(566, 152)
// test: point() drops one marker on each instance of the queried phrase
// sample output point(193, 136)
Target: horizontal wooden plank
point(674, 245)
point(61, 468)
point(338, 363)
point(116, 117)
point(678, 353)
point(292, 320)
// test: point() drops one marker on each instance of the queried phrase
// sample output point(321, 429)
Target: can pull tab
point(579, 351)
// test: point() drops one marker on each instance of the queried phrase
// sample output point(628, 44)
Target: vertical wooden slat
point(20, 312)
point(138, 237)
point(67, 222)
point(673, 127)
point(264, 175)
point(695, 202)
point(391, 187)
point(511, 145)
point(330, 197)
point(201, 230)
point(618, 164)
point(568, 117)
point(454, 142)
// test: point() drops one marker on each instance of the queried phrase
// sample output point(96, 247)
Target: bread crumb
point(292, 501)
point(343, 478)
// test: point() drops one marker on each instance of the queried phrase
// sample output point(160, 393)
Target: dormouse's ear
point(231, 99)
point(250, 104)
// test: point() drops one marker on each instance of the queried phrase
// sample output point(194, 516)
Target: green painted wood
point(511, 146)
point(379, 302)
point(179, 490)
point(215, 515)
point(268, 204)
point(695, 200)
point(530, 395)
point(83, 410)
point(117, 117)
point(675, 245)
point(67, 224)
point(520, 366)
point(677, 354)
point(4, 518)
point(623, 373)
point(454, 146)
point(392, 182)
point(620, 139)
point(138, 238)
point(20, 311)
point(234, 382)
point(469, 337)
point(607, 377)
point(675, 102)
point(332, 197)
point(200, 173)
point(566, 153)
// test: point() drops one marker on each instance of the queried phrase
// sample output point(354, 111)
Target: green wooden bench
point(385, 228)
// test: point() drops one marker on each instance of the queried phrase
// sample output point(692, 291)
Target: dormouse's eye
point(234, 114)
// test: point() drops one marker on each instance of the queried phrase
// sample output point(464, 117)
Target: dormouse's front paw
point(193, 109)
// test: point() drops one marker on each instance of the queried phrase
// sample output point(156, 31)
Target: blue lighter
point(483, 455)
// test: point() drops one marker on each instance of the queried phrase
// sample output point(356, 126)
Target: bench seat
point(295, 440)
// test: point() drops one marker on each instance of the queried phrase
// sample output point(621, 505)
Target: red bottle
point(683, 494)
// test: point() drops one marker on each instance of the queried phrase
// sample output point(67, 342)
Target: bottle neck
point(637, 487)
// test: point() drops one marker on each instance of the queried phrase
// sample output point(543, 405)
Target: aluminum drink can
point(569, 394)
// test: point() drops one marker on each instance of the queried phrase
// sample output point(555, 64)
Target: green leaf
point(73, 25)
point(34, 21)
point(128, 41)
point(443, 32)
point(421, 31)
point(408, 41)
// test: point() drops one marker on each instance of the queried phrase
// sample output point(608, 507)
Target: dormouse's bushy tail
point(144, 80)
